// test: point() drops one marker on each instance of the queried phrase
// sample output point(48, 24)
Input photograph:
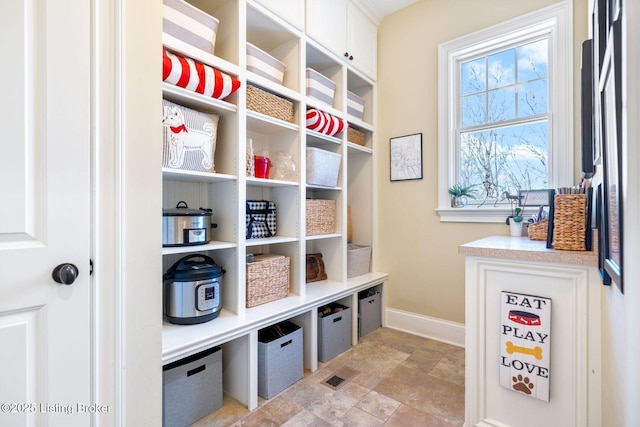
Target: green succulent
point(458, 190)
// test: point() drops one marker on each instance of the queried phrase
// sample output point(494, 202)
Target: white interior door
point(44, 212)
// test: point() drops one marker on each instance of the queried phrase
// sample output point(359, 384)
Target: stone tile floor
point(404, 380)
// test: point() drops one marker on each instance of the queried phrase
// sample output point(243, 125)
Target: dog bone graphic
point(535, 351)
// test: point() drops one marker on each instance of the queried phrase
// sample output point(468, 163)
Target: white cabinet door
point(45, 370)
point(362, 41)
point(344, 29)
point(291, 11)
point(327, 24)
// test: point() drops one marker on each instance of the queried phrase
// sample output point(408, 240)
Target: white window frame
point(556, 22)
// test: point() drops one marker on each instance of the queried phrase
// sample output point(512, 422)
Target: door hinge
point(90, 266)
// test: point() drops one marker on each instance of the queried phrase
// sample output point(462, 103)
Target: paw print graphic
point(522, 384)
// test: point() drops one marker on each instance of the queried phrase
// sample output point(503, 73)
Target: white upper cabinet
point(362, 40)
point(291, 11)
point(346, 30)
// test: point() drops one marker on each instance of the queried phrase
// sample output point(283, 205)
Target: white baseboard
point(425, 326)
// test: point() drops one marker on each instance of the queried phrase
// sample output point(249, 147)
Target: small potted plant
point(460, 194)
point(515, 222)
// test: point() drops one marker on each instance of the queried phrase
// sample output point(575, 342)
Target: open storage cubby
point(226, 190)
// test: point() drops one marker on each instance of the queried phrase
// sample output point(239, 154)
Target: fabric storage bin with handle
point(334, 331)
point(369, 310)
point(186, 23)
point(192, 388)
point(260, 219)
point(280, 358)
point(189, 138)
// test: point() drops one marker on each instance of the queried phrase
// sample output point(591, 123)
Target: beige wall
point(426, 274)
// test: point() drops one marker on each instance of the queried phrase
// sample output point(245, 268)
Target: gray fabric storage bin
point(192, 388)
point(369, 310)
point(334, 332)
point(279, 358)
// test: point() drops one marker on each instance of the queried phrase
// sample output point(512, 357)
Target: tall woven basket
point(267, 279)
point(570, 222)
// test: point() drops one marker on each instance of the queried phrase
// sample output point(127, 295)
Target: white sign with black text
point(525, 342)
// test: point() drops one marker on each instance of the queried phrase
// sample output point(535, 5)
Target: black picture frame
point(600, 225)
point(587, 122)
point(405, 157)
point(611, 117)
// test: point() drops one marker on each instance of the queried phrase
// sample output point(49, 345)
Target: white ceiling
point(386, 7)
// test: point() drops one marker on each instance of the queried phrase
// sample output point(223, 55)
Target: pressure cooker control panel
point(208, 296)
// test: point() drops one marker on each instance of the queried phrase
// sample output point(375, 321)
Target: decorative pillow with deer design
point(189, 138)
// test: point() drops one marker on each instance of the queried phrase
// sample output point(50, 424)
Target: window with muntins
point(504, 93)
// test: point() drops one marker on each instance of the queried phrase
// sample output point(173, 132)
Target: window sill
point(474, 214)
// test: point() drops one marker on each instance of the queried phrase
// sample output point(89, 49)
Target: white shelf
point(270, 241)
point(359, 148)
point(195, 100)
point(324, 236)
point(263, 182)
point(179, 341)
point(226, 193)
point(193, 176)
point(267, 125)
point(211, 246)
point(313, 187)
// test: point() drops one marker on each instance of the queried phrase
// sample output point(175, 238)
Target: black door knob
point(350, 57)
point(346, 54)
point(65, 274)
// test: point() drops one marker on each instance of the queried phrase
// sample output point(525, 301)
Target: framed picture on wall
point(611, 117)
point(406, 157)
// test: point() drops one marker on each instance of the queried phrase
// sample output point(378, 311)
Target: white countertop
point(523, 248)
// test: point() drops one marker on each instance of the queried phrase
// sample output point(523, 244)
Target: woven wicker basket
point(569, 222)
point(538, 230)
point(269, 104)
point(355, 136)
point(267, 279)
point(321, 217)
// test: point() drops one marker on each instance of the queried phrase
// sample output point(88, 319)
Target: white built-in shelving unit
point(279, 29)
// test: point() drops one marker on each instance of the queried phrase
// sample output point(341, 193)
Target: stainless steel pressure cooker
point(183, 226)
point(192, 290)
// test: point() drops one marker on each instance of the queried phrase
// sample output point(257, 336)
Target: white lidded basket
point(323, 167)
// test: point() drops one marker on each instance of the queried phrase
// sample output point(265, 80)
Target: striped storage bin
point(186, 23)
point(320, 87)
point(355, 105)
point(265, 65)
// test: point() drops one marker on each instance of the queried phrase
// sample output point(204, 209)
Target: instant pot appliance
point(192, 290)
point(182, 226)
